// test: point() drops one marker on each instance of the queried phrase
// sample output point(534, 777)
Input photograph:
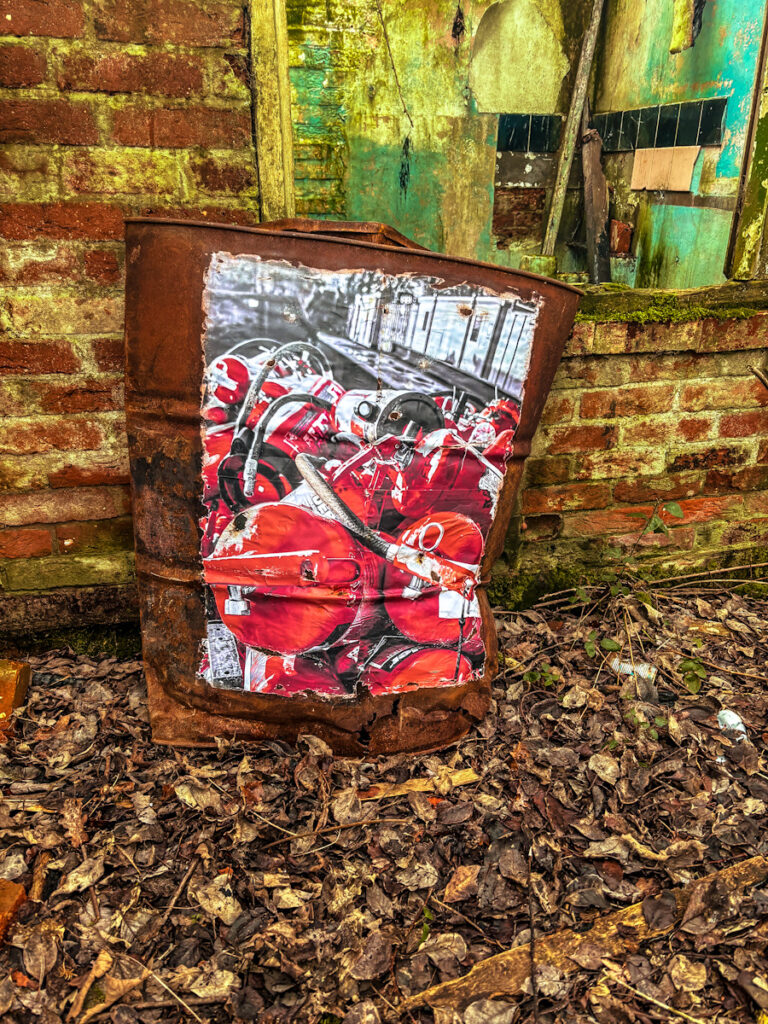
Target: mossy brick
point(748, 333)
point(541, 471)
point(756, 503)
point(25, 542)
point(21, 66)
point(90, 473)
point(618, 462)
point(61, 312)
point(21, 473)
point(40, 263)
point(180, 22)
point(565, 440)
point(707, 457)
point(43, 356)
point(112, 172)
point(233, 174)
point(748, 478)
point(84, 538)
point(565, 497)
point(103, 266)
point(24, 396)
point(182, 128)
point(682, 538)
point(62, 19)
point(235, 211)
point(92, 220)
point(67, 571)
point(592, 371)
point(559, 408)
point(658, 488)
point(28, 173)
point(619, 338)
point(158, 73)
point(56, 121)
point(609, 403)
point(729, 393)
point(47, 433)
point(63, 505)
point(649, 431)
point(539, 528)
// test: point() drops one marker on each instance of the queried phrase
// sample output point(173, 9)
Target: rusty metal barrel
point(327, 428)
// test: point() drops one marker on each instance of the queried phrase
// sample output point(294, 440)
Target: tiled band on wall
point(699, 123)
point(672, 124)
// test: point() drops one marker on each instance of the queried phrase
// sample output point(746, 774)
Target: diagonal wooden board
point(505, 973)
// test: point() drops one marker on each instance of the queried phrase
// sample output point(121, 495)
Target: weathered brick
point(705, 507)
point(599, 522)
point(59, 121)
point(656, 431)
point(22, 436)
point(560, 408)
point(168, 21)
point(182, 128)
point(95, 221)
point(20, 66)
point(757, 502)
point(730, 393)
point(618, 462)
point(231, 176)
point(39, 263)
point(611, 402)
point(555, 470)
point(23, 397)
point(566, 497)
point(28, 171)
point(109, 172)
point(62, 19)
point(237, 214)
point(24, 542)
point(63, 505)
point(748, 478)
point(744, 424)
point(35, 313)
point(90, 475)
point(707, 458)
point(729, 335)
point(540, 528)
point(102, 265)
point(658, 488)
point(580, 439)
point(37, 357)
point(695, 428)
point(99, 535)
point(681, 538)
point(109, 354)
point(162, 74)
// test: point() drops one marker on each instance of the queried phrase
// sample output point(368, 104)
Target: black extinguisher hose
point(251, 467)
point(379, 545)
point(258, 381)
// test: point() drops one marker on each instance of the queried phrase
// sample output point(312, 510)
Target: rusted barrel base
point(418, 723)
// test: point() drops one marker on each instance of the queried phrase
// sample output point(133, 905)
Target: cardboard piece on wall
point(669, 169)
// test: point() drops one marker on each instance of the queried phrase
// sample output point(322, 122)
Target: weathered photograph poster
point(356, 427)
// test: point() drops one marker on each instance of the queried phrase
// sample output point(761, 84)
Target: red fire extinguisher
point(289, 675)
point(429, 609)
point(399, 667)
point(441, 473)
point(286, 580)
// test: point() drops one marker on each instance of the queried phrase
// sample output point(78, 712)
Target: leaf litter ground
point(274, 885)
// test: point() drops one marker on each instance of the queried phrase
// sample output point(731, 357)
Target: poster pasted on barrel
point(356, 427)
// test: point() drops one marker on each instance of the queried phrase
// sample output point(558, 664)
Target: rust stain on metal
point(165, 327)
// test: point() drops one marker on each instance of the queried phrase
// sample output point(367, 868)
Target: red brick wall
point(108, 108)
point(642, 413)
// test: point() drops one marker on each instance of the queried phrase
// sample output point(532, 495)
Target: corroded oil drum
point(327, 429)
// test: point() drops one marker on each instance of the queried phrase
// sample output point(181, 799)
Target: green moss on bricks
point(618, 304)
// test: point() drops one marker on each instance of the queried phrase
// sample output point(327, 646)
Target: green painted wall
point(396, 115)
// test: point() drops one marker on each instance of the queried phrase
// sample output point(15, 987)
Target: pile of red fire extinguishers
point(344, 528)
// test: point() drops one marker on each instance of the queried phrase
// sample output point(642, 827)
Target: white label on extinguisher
point(222, 652)
point(453, 606)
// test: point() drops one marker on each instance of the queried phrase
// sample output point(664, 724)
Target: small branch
point(392, 62)
point(657, 1002)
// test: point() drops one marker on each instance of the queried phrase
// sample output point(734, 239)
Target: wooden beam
point(596, 215)
point(614, 935)
point(271, 107)
point(572, 129)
